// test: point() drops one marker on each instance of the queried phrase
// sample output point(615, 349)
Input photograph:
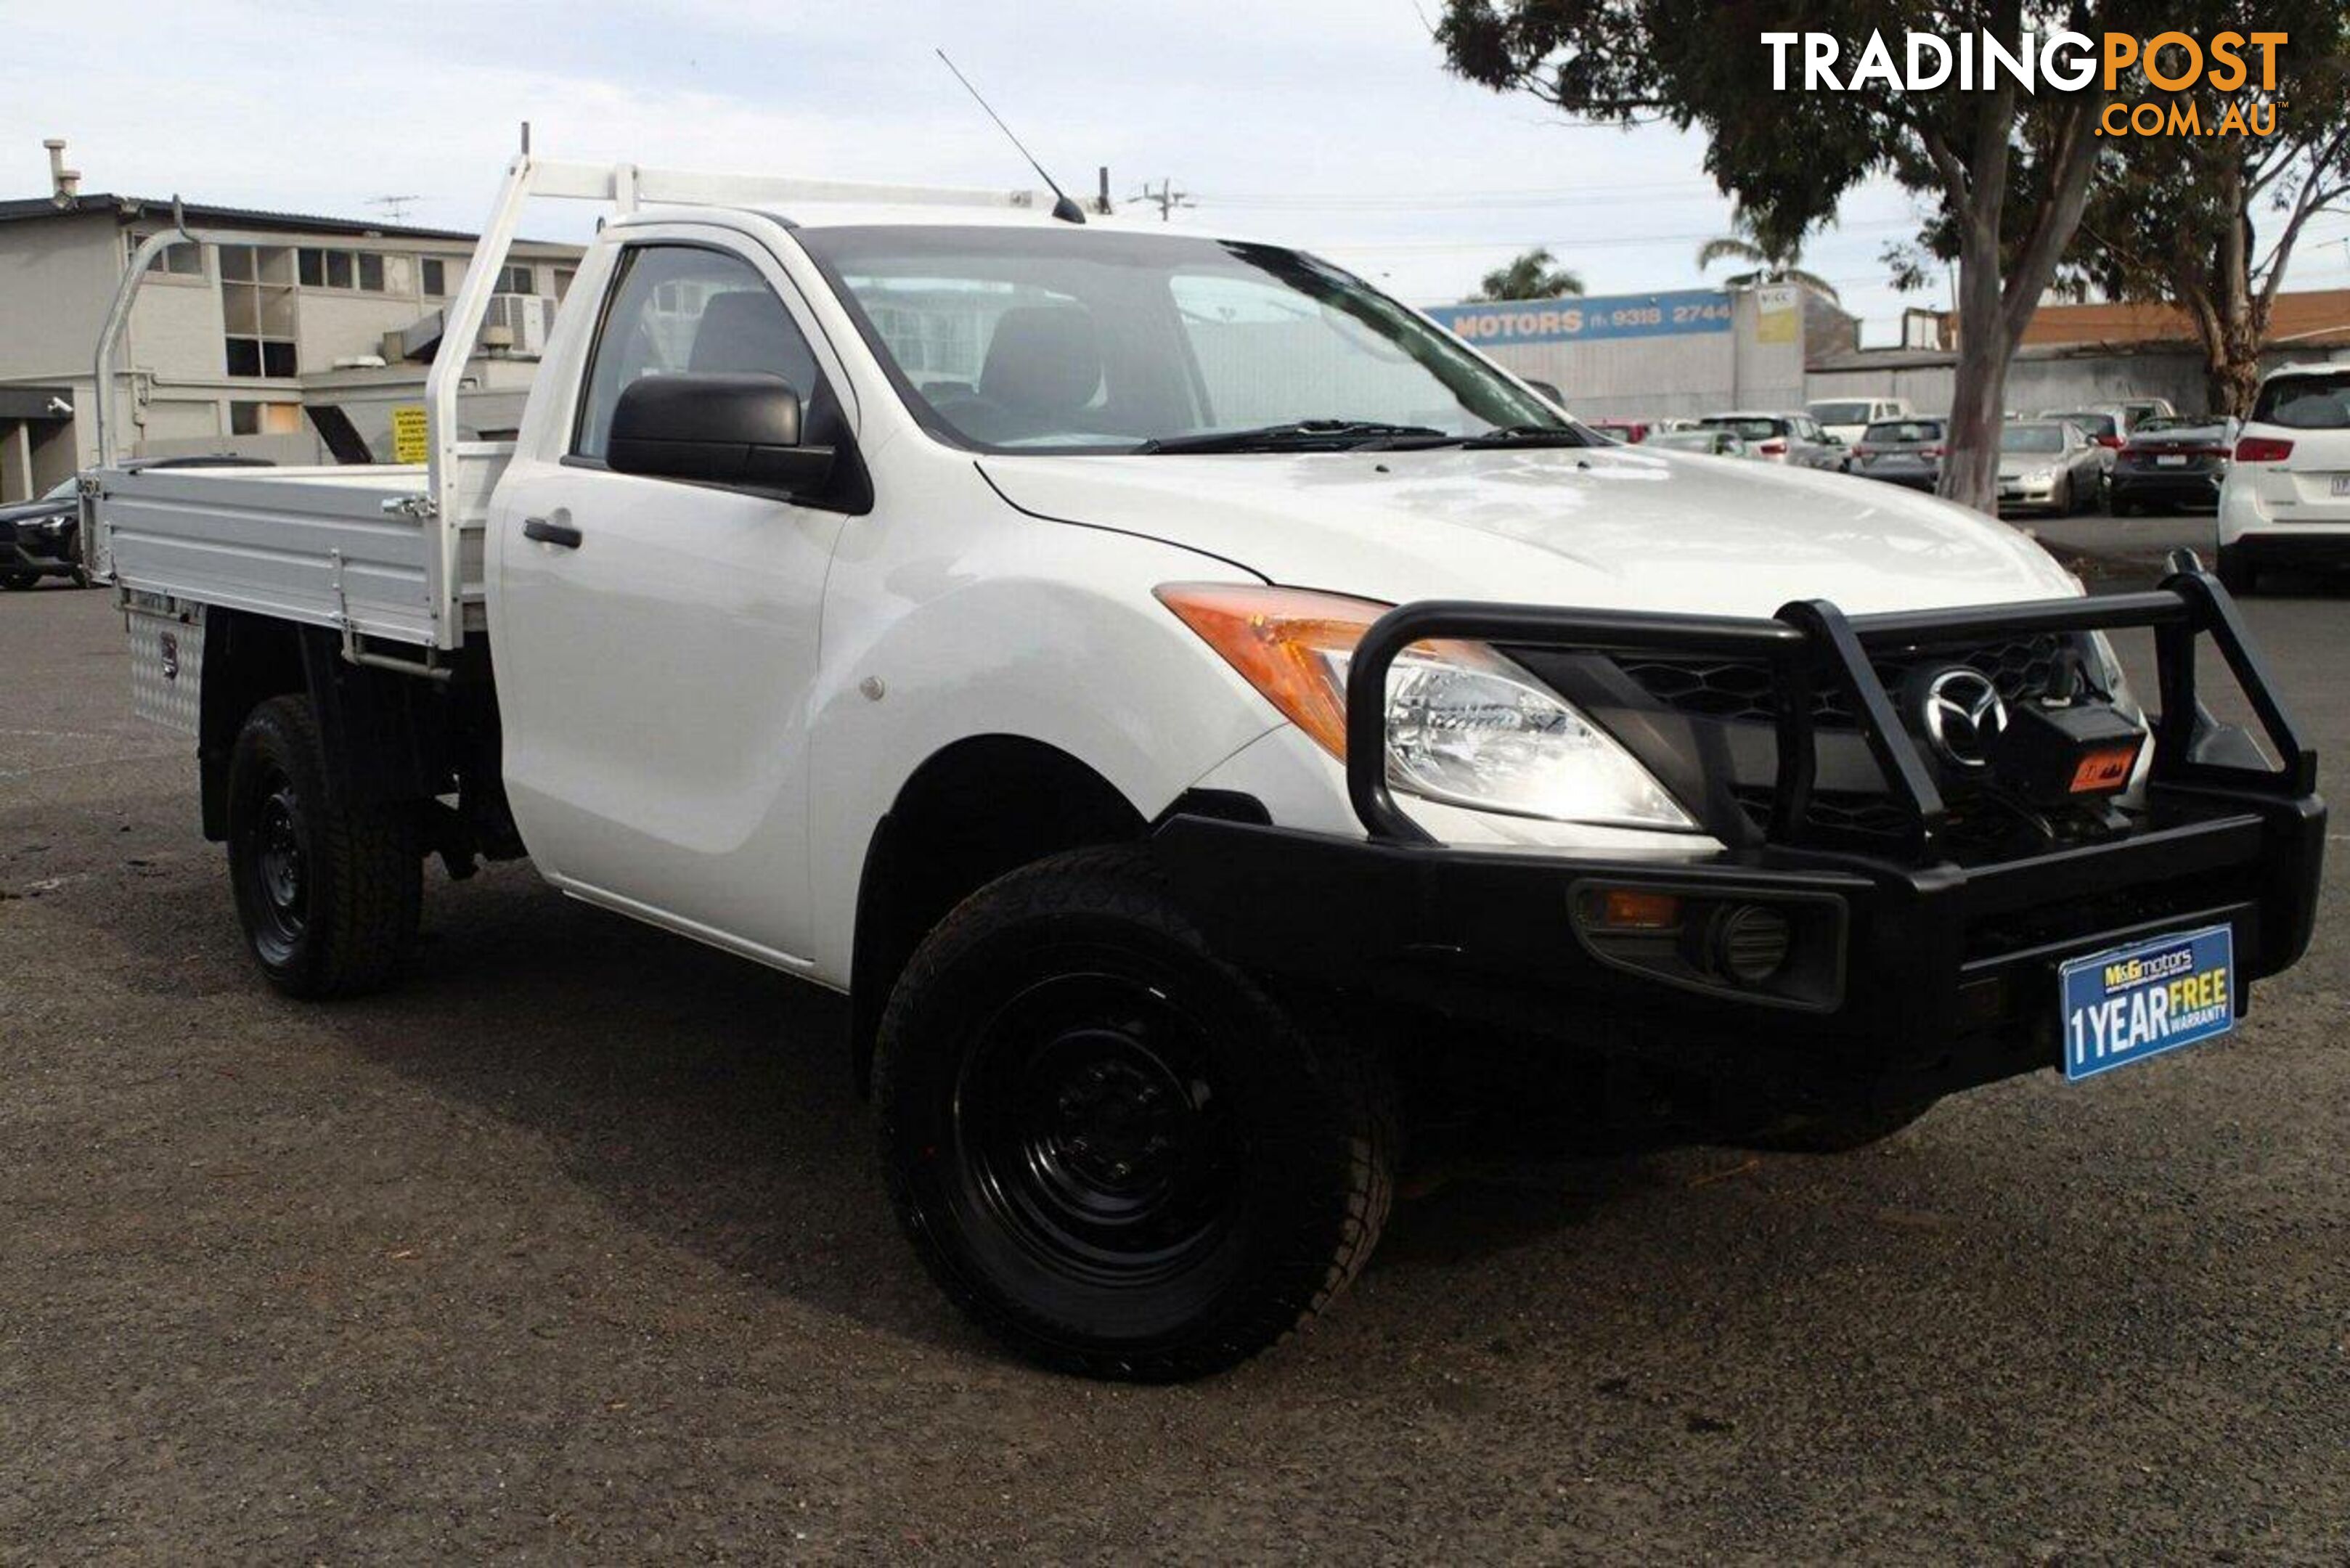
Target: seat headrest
point(745, 331)
point(1043, 359)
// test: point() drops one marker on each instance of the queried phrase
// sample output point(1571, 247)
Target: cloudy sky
point(1321, 122)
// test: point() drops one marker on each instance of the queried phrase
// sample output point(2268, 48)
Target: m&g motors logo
point(2175, 63)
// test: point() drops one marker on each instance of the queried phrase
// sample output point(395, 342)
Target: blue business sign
point(1499, 324)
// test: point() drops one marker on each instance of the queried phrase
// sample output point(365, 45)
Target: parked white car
point(1181, 694)
point(2286, 497)
point(1848, 419)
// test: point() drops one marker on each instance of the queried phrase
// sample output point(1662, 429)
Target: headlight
point(1464, 725)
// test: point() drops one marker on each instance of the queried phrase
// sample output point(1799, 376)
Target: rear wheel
point(17, 582)
point(1112, 1150)
point(328, 894)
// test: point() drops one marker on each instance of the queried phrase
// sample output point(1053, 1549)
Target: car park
point(2048, 465)
point(40, 538)
point(2285, 501)
point(2169, 464)
point(1847, 418)
point(1792, 439)
point(1907, 450)
point(1169, 758)
point(1707, 444)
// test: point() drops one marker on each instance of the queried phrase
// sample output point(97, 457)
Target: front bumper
point(1911, 972)
point(29, 547)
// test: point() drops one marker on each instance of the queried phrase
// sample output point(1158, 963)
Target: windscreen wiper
point(1528, 435)
point(1293, 435)
point(1507, 435)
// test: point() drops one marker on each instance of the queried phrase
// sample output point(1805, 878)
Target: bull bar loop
point(1812, 646)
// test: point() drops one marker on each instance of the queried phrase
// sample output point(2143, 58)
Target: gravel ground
point(574, 1248)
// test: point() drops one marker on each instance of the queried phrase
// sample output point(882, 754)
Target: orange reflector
point(2107, 768)
point(1639, 910)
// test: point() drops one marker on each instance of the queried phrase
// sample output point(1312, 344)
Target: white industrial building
point(231, 347)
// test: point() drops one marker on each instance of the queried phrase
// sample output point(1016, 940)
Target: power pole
point(1166, 198)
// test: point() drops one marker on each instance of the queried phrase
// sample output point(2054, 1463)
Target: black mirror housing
point(736, 430)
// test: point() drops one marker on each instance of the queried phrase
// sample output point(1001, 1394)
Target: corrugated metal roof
point(149, 208)
point(2315, 317)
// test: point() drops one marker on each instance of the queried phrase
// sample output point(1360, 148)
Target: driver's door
point(656, 641)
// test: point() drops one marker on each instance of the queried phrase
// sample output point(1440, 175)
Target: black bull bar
point(1936, 964)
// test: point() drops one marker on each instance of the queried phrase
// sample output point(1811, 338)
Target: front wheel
point(327, 893)
point(1112, 1150)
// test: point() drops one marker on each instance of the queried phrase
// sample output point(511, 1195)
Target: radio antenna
point(1068, 212)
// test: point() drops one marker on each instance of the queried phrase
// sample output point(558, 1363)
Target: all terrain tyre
point(1116, 1152)
point(328, 895)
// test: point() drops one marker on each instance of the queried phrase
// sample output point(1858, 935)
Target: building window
point(257, 308)
point(265, 419)
point(518, 279)
point(179, 260)
point(436, 278)
point(361, 270)
point(563, 276)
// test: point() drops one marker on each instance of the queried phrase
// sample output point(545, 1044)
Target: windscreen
point(1891, 433)
point(2305, 402)
point(1077, 340)
point(2032, 439)
point(1855, 413)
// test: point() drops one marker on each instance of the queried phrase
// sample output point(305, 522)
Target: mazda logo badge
point(1964, 714)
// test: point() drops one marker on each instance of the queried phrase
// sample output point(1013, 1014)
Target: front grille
point(1744, 691)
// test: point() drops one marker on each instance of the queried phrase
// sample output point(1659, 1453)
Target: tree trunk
point(1979, 398)
point(2234, 375)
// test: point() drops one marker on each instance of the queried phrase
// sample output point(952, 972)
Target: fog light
point(1748, 942)
point(1637, 910)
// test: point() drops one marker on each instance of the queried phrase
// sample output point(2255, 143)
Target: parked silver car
point(1711, 442)
point(1794, 439)
point(1906, 452)
point(2049, 465)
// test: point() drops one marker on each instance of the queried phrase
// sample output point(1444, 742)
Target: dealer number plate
point(2342, 485)
point(2172, 460)
point(2137, 1001)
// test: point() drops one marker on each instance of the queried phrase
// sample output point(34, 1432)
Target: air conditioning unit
point(518, 324)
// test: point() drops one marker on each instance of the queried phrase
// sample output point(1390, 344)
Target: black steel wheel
point(327, 891)
point(1116, 1152)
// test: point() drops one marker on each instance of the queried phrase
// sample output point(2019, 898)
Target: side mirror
point(738, 430)
point(1548, 391)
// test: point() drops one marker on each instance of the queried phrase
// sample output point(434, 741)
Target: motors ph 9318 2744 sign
point(1587, 321)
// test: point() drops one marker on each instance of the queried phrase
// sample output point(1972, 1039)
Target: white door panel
point(654, 678)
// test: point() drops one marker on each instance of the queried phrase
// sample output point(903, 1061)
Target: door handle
point(557, 533)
